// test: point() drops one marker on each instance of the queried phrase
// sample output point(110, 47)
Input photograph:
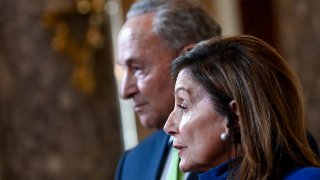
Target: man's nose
point(128, 86)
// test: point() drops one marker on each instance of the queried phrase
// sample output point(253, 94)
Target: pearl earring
point(224, 136)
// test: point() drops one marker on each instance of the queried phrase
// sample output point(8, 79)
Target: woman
point(238, 113)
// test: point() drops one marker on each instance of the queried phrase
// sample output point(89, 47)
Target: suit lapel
point(160, 148)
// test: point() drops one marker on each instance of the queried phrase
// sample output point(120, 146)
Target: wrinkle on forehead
point(185, 83)
point(135, 37)
point(138, 27)
point(185, 80)
point(129, 36)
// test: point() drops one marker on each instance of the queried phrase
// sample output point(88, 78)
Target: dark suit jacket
point(310, 173)
point(146, 160)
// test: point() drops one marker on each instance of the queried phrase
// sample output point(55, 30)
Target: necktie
point(175, 173)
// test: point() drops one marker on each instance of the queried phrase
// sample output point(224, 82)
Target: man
point(156, 32)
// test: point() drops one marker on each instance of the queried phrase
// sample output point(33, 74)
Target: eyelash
point(182, 107)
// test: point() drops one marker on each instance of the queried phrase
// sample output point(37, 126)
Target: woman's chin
point(193, 167)
point(182, 166)
point(186, 167)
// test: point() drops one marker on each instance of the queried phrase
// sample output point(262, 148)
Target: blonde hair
point(272, 138)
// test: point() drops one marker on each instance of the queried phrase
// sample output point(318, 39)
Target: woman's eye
point(182, 107)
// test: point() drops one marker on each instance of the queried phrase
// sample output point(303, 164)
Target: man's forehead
point(129, 36)
point(137, 29)
point(130, 46)
point(140, 23)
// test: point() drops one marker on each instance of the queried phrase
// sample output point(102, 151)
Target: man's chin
point(149, 122)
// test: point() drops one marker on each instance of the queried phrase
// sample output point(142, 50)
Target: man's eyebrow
point(126, 62)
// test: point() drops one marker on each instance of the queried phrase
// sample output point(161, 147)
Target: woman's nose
point(172, 125)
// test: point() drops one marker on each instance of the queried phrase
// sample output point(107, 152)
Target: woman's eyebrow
point(179, 89)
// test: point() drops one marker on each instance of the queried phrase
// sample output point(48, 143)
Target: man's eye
point(136, 68)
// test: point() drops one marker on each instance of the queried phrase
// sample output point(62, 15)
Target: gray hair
point(178, 22)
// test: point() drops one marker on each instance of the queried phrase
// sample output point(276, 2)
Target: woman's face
point(196, 126)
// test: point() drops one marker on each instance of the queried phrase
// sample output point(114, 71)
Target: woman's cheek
point(185, 120)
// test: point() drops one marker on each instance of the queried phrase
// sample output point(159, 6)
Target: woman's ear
point(233, 124)
point(235, 113)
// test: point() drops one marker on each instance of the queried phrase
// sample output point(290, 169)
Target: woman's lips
point(180, 149)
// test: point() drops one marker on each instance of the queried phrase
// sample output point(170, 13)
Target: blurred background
point(60, 115)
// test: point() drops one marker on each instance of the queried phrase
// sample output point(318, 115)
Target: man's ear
point(187, 48)
point(235, 113)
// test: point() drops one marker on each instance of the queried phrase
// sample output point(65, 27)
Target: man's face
point(146, 79)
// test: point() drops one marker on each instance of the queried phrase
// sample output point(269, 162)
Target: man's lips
point(138, 107)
